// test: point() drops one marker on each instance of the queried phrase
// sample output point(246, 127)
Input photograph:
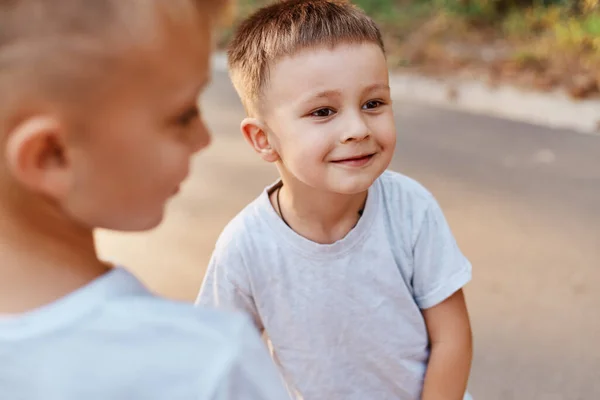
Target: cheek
point(126, 178)
point(157, 171)
point(311, 144)
point(124, 194)
point(111, 181)
point(386, 131)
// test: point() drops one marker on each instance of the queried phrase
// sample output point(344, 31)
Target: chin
point(353, 185)
point(150, 223)
point(353, 181)
point(139, 224)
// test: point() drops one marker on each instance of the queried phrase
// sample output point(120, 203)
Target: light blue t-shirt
point(344, 319)
point(114, 340)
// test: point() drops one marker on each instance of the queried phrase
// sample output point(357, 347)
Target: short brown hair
point(286, 27)
point(48, 47)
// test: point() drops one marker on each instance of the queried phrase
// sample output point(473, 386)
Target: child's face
point(137, 146)
point(330, 117)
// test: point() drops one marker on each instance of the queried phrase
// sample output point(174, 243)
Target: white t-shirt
point(344, 320)
point(114, 340)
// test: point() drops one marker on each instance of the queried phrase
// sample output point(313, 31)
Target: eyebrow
point(321, 94)
point(377, 86)
point(337, 93)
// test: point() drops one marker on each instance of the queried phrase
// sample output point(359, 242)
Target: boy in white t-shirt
point(350, 270)
point(98, 123)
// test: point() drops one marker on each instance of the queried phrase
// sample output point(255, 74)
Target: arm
point(451, 349)
point(440, 272)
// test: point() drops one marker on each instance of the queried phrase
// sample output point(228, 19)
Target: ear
point(255, 133)
point(36, 157)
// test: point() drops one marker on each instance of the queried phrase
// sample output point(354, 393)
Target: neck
point(320, 216)
point(43, 256)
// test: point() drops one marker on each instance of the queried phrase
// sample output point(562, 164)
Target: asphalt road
point(523, 202)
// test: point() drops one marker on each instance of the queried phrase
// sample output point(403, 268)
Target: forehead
point(155, 59)
point(345, 68)
point(177, 59)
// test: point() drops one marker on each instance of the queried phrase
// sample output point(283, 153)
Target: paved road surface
point(523, 202)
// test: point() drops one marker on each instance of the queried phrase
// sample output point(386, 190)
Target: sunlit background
point(523, 200)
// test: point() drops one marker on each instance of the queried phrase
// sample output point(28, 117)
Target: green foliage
point(376, 8)
point(489, 10)
point(496, 10)
point(469, 9)
point(591, 25)
point(571, 24)
point(582, 35)
point(519, 24)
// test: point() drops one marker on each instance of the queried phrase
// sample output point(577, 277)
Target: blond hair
point(283, 29)
point(48, 48)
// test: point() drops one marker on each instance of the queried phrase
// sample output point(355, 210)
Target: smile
point(357, 161)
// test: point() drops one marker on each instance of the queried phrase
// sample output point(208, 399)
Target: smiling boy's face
point(329, 116)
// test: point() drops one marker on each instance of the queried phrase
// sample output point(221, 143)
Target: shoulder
point(176, 320)
point(250, 227)
point(405, 205)
point(198, 346)
point(404, 197)
point(399, 186)
point(136, 339)
point(169, 330)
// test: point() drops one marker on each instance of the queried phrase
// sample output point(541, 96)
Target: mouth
point(356, 161)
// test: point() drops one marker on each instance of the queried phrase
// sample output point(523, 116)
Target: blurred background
point(522, 200)
point(541, 44)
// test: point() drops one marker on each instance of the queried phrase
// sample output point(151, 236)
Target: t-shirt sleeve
point(253, 375)
point(440, 268)
point(227, 285)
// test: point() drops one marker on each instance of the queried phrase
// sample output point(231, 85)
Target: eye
point(187, 117)
point(372, 104)
point(322, 113)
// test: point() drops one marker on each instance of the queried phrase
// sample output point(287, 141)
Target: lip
point(356, 161)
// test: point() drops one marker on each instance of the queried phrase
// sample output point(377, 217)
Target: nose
point(356, 130)
point(201, 139)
